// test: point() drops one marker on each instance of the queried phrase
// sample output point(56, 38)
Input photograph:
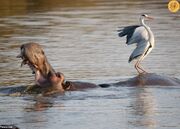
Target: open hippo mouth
point(27, 62)
point(31, 66)
point(33, 55)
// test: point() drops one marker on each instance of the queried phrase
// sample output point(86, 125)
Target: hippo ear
point(67, 85)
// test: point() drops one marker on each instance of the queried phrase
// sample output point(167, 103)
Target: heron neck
point(150, 34)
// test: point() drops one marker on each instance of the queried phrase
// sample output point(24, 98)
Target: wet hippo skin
point(147, 79)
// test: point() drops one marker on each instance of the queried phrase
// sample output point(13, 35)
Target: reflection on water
point(143, 107)
point(41, 104)
point(99, 108)
point(80, 40)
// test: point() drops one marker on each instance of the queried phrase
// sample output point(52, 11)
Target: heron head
point(146, 16)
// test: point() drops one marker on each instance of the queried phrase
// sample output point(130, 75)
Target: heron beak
point(150, 18)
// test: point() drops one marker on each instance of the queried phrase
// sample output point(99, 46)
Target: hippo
point(46, 78)
point(48, 81)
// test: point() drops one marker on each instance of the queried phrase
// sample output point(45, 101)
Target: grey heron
point(143, 37)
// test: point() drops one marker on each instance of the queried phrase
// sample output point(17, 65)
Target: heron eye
point(143, 15)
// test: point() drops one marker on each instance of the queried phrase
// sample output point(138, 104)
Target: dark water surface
point(80, 39)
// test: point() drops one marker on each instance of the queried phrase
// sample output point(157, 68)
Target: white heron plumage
point(142, 36)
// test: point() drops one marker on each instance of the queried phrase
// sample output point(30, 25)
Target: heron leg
point(141, 68)
point(137, 68)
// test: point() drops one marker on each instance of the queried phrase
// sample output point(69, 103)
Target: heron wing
point(139, 50)
point(134, 34)
point(128, 32)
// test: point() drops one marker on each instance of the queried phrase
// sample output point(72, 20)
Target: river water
point(80, 39)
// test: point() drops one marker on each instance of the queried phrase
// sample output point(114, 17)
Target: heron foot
point(143, 73)
point(139, 68)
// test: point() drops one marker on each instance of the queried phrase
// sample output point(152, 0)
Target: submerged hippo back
point(150, 79)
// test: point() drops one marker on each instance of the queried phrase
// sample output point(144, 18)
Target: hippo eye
point(67, 85)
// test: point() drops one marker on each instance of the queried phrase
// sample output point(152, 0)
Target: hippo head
point(33, 55)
